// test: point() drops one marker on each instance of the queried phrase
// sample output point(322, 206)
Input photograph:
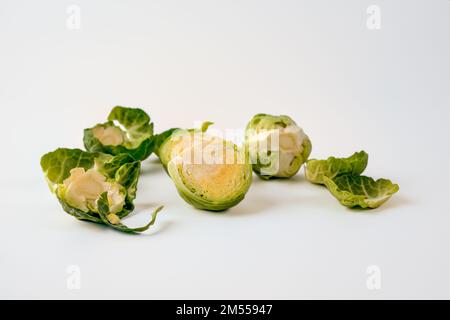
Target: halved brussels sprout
point(170, 143)
point(209, 172)
point(93, 186)
point(316, 170)
point(277, 146)
point(128, 130)
point(360, 191)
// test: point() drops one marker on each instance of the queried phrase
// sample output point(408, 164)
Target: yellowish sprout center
point(110, 136)
point(215, 177)
point(83, 189)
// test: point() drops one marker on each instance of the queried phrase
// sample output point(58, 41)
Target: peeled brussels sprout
point(360, 191)
point(128, 130)
point(316, 170)
point(93, 186)
point(209, 172)
point(277, 146)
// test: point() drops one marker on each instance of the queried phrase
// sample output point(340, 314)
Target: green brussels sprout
point(277, 146)
point(94, 187)
point(131, 134)
point(209, 172)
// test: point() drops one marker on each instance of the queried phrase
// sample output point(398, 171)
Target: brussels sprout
point(360, 191)
point(209, 172)
point(316, 170)
point(277, 146)
point(93, 186)
point(133, 134)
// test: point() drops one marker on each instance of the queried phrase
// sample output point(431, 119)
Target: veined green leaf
point(57, 164)
point(360, 191)
point(103, 207)
point(332, 167)
point(128, 130)
point(136, 122)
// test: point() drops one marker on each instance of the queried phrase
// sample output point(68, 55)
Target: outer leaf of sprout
point(360, 191)
point(117, 170)
point(161, 138)
point(137, 130)
point(104, 211)
point(332, 167)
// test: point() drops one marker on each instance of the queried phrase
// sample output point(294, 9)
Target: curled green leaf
point(332, 167)
point(360, 191)
point(127, 131)
point(115, 223)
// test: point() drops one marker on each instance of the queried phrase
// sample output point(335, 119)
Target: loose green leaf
point(109, 164)
point(80, 215)
point(136, 122)
point(332, 167)
point(128, 130)
point(360, 191)
point(57, 164)
point(104, 213)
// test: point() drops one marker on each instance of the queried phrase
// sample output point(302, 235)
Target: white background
point(386, 91)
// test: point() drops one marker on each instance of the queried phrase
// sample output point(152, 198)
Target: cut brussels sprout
point(128, 131)
point(209, 172)
point(360, 191)
point(316, 170)
point(93, 186)
point(172, 142)
point(277, 146)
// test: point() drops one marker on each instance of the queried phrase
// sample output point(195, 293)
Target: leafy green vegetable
point(209, 172)
point(277, 146)
point(128, 130)
point(94, 187)
point(332, 167)
point(360, 191)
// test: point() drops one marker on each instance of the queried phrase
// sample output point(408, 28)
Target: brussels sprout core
point(213, 179)
point(109, 136)
point(83, 188)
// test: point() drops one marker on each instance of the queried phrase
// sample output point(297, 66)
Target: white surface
point(385, 91)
